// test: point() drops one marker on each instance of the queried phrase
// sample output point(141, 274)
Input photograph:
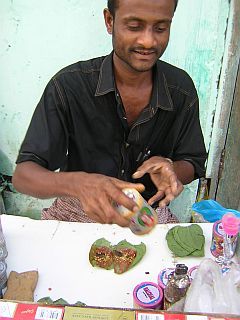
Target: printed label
point(148, 294)
point(7, 309)
point(44, 313)
point(163, 276)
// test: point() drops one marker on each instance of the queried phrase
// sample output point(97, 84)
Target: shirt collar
point(161, 97)
point(106, 82)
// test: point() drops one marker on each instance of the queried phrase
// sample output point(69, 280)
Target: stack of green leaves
point(186, 241)
point(59, 302)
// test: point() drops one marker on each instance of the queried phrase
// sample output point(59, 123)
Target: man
point(124, 120)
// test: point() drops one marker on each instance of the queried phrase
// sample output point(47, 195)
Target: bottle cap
point(181, 269)
point(230, 224)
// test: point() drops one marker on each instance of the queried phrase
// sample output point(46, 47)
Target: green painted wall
point(39, 37)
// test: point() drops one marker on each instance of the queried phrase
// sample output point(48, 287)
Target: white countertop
point(59, 251)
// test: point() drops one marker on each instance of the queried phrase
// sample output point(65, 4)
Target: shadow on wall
point(6, 166)
point(22, 205)
point(12, 202)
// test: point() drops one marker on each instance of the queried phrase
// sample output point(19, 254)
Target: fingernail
point(135, 209)
point(135, 173)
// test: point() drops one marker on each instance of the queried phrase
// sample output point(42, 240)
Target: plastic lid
point(230, 224)
point(148, 295)
point(163, 277)
point(192, 272)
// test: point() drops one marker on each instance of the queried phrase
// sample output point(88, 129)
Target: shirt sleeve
point(46, 140)
point(190, 142)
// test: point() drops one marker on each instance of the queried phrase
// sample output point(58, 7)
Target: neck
point(126, 76)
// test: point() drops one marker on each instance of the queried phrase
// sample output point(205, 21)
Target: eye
point(134, 27)
point(161, 28)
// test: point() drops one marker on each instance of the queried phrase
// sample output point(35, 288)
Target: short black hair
point(113, 5)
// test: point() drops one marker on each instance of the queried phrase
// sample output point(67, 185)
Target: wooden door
point(228, 189)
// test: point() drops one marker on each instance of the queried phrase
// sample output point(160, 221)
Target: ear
point(108, 20)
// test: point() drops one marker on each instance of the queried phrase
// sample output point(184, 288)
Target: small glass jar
point(178, 284)
point(142, 221)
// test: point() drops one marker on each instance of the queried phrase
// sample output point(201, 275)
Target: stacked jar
point(3, 265)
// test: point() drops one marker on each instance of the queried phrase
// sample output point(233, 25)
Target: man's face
point(140, 32)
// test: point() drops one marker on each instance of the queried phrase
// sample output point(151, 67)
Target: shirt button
point(123, 171)
point(127, 145)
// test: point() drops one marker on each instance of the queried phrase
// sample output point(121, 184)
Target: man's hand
point(98, 193)
point(162, 173)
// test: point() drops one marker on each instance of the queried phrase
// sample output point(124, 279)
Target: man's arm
point(96, 192)
point(167, 176)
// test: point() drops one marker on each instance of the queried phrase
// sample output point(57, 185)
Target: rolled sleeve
point(46, 139)
point(190, 142)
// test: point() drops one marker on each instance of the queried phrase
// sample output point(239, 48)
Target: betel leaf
point(79, 304)
point(197, 236)
point(60, 302)
point(182, 237)
point(45, 300)
point(102, 242)
point(127, 255)
point(101, 255)
point(184, 241)
point(174, 246)
point(198, 253)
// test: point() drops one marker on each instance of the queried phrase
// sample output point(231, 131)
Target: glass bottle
point(230, 226)
point(178, 284)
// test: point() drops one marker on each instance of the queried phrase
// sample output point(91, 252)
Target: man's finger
point(169, 196)
point(138, 186)
point(143, 170)
point(158, 196)
point(174, 184)
point(163, 203)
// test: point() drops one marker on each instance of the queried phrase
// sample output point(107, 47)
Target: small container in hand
point(142, 221)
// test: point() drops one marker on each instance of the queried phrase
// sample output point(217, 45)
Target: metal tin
point(218, 239)
point(147, 295)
